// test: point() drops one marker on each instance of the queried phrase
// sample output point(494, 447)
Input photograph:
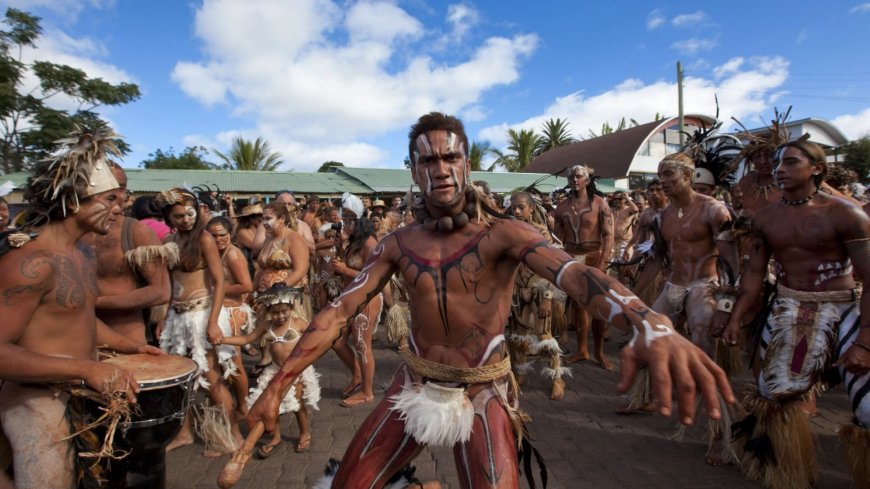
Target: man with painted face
point(584, 224)
point(49, 330)
point(820, 244)
point(132, 274)
point(690, 226)
point(459, 263)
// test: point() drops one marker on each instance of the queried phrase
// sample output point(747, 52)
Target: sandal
point(258, 369)
point(303, 445)
point(265, 451)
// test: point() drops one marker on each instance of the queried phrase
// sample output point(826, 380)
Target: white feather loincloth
point(435, 415)
point(310, 389)
point(185, 333)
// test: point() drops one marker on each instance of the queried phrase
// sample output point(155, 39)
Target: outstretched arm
point(324, 329)
point(672, 359)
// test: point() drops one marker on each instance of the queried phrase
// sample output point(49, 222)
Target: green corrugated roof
point(354, 180)
point(392, 181)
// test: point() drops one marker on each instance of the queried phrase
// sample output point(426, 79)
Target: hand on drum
point(150, 350)
point(213, 332)
point(106, 378)
point(674, 362)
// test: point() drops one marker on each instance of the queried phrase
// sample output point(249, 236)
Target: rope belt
point(446, 373)
point(191, 305)
point(848, 295)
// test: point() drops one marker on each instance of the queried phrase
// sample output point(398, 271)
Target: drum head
point(155, 370)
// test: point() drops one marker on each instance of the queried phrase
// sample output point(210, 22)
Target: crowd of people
point(747, 253)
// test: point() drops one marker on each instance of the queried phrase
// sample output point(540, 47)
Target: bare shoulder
point(143, 235)
point(514, 232)
point(848, 218)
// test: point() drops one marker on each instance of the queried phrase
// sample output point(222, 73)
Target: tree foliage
point(858, 157)
point(29, 126)
point(327, 166)
point(521, 150)
point(606, 128)
point(192, 158)
point(555, 133)
point(250, 155)
point(478, 151)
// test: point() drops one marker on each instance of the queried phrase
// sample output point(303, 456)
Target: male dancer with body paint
point(689, 227)
point(459, 265)
point(820, 244)
point(584, 224)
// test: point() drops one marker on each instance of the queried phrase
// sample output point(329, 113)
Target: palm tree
point(247, 155)
point(478, 150)
point(521, 150)
point(555, 133)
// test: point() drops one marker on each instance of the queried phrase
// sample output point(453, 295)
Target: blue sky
point(323, 80)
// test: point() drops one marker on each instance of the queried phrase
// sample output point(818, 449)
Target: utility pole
point(680, 102)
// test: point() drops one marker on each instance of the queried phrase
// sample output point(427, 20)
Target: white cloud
point(802, 36)
point(854, 126)
point(380, 21)
point(747, 88)
point(693, 46)
point(655, 19)
point(688, 20)
point(860, 9)
point(461, 18)
point(282, 67)
point(730, 66)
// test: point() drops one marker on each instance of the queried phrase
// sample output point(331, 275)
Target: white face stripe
point(428, 182)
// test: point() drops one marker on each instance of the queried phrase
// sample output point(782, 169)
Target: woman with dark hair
point(360, 244)
point(145, 210)
point(237, 287)
point(196, 321)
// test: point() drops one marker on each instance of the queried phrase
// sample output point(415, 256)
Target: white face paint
point(190, 211)
point(428, 181)
point(270, 222)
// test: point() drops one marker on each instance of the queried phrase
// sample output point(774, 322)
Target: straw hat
point(251, 210)
point(378, 203)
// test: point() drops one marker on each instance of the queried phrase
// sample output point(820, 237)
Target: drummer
point(49, 331)
point(132, 275)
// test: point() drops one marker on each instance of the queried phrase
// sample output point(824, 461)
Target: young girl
point(282, 331)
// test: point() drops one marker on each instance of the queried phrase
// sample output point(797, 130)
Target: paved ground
point(585, 444)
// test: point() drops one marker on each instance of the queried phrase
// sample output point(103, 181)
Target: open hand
point(106, 378)
point(855, 360)
point(675, 362)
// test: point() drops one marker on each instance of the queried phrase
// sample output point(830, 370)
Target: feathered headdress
point(173, 196)
point(352, 203)
point(279, 293)
point(713, 155)
point(81, 167)
point(764, 142)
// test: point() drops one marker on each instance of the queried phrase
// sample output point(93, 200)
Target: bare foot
point(577, 357)
point(603, 361)
point(356, 400)
point(808, 407)
point(558, 391)
point(350, 389)
point(212, 453)
point(180, 441)
point(304, 443)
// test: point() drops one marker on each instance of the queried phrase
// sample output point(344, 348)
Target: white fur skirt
point(184, 334)
point(310, 389)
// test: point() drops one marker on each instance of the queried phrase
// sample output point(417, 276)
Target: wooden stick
point(232, 471)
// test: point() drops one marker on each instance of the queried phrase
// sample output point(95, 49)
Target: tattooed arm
point(751, 281)
point(111, 339)
point(28, 293)
point(672, 359)
point(324, 330)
